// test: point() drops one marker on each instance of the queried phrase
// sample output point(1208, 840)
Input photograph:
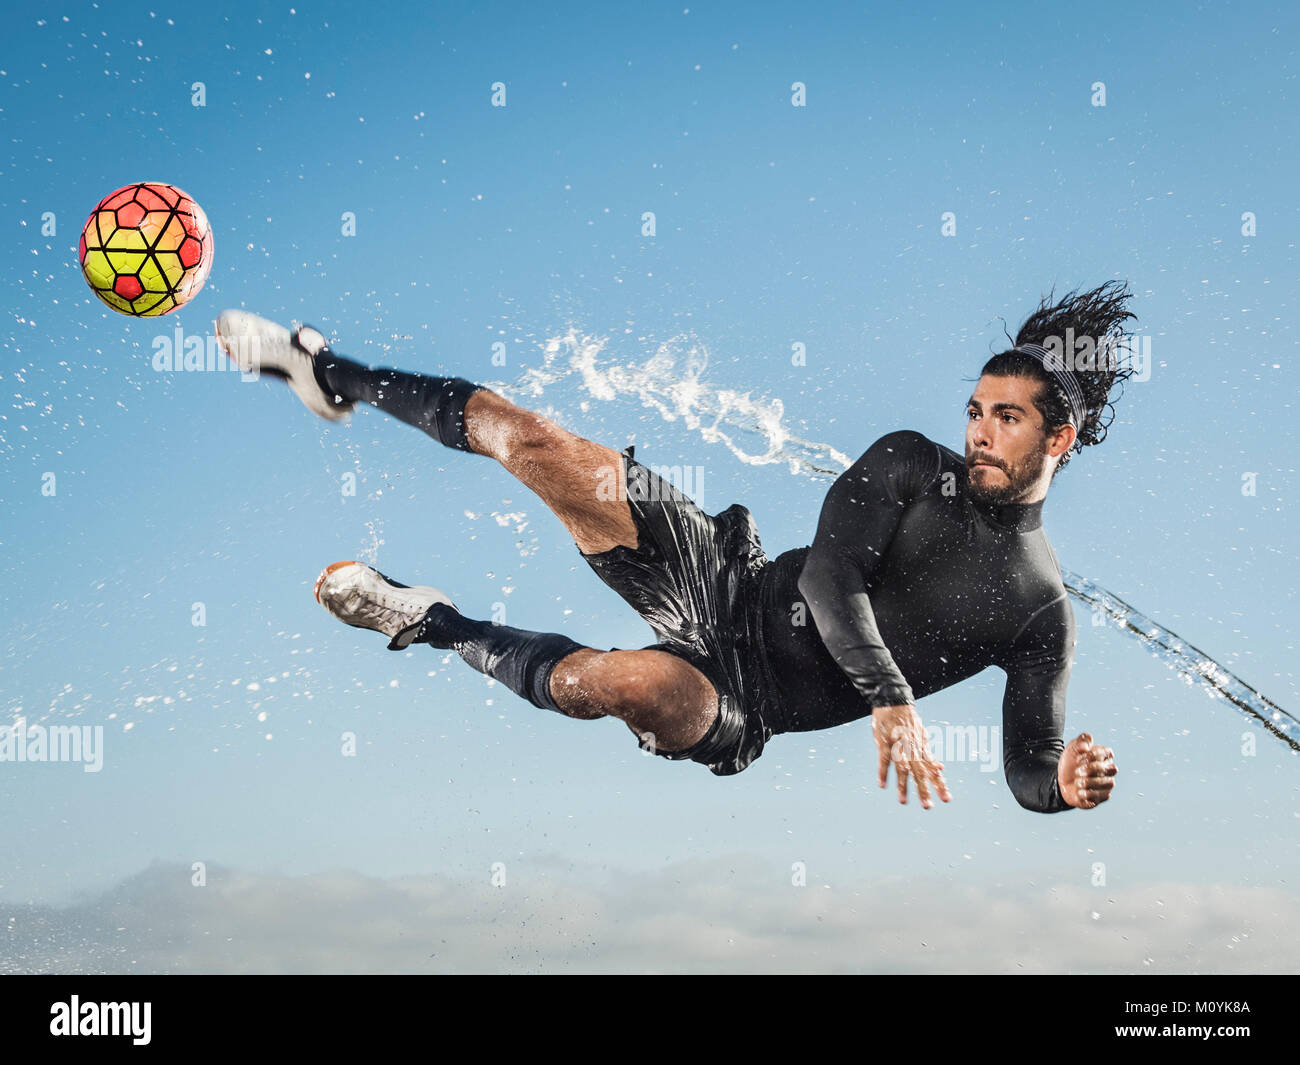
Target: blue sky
point(774, 225)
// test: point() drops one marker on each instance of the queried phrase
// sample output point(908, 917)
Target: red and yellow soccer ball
point(146, 249)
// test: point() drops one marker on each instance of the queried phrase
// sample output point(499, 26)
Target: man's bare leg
point(652, 691)
point(570, 474)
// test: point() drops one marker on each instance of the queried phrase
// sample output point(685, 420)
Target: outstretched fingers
point(927, 773)
point(913, 761)
point(902, 741)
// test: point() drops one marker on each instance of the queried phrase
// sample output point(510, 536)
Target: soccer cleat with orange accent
point(361, 596)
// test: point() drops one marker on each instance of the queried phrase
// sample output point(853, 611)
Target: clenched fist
point(1086, 773)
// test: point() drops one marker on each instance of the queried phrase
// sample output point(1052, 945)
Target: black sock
point(434, 405)
point(522, 661)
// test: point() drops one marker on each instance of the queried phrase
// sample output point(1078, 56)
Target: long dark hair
point(1098, 314)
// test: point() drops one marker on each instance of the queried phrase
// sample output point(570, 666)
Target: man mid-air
point(926, 567)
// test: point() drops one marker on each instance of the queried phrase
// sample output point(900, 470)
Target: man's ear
point(1059, 442)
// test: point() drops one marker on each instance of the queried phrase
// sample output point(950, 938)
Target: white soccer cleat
point(256, 345)
point(361, 596)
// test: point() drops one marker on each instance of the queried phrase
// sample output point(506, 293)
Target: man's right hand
point(901, 739)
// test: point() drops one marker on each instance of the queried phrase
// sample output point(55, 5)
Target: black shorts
point(694, 578)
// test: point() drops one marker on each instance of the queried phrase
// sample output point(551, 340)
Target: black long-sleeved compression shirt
point(912, 585)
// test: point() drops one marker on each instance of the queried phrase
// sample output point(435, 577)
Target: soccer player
point(926, 568)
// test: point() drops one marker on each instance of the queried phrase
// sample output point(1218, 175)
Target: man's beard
point(1019, 479)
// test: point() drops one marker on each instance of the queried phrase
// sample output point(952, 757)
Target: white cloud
point(723, 915)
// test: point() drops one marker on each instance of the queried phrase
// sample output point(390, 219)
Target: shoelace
point(379, 609)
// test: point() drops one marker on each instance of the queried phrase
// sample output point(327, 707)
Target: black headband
point(1069, 385)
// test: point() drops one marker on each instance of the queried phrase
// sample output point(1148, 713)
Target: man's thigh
point(580, 480)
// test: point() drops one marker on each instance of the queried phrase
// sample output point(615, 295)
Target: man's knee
point(662, 697)
point(497, 427)
point(665, 701)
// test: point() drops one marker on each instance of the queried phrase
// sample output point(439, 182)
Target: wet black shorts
point(694, 578)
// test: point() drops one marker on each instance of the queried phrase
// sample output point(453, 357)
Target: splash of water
point(678, 392)
point(728, 417)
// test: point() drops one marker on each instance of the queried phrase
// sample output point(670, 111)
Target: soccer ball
point(146, 249)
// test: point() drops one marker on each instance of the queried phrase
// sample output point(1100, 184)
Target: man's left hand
point(1086, 773)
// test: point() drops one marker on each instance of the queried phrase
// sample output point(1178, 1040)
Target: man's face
point(1006, 446)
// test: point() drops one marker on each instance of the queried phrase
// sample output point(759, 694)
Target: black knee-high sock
point(435, 405)
point(522, 661)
